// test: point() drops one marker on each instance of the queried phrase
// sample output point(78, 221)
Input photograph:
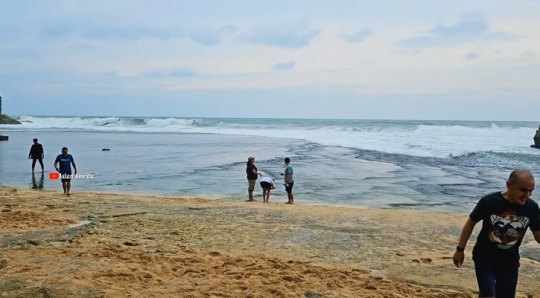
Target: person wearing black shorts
point(37, 154)
point(65, 161)
point(289, 180)
point(267, 184)
point(506, 216)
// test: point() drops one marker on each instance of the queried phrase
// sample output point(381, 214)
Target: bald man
point(505, 217)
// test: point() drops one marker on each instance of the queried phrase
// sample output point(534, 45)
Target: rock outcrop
point(4, 119)
point(537, 138)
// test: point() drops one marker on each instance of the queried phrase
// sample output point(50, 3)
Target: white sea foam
point(392, 137)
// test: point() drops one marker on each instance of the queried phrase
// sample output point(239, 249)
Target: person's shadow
point(35, 184)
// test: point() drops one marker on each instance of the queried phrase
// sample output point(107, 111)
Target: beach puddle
point(80, 223)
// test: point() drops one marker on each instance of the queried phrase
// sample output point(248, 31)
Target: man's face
point(64, 152)
point(521, 189)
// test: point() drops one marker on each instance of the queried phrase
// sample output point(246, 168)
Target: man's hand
point(458, 258)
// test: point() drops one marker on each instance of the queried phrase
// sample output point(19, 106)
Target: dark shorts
point(288, 189)
point(65, 180)
point(496, 279)
point(265, 185)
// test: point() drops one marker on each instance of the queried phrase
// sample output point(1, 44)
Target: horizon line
point(273, 118)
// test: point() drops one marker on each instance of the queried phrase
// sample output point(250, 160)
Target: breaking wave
point(457, 140)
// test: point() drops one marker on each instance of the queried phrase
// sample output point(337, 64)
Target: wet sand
point(111, 245)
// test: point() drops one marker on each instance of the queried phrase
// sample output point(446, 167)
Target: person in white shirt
point(267, 184)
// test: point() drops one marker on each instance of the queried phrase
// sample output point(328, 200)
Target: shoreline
point(276, 199)
point(378, 252)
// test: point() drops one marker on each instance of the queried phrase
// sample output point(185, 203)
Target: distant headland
point(5, 119)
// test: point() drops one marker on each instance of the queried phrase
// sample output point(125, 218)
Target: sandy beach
point(111, 245)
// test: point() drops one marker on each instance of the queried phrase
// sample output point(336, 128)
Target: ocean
point(437, 165)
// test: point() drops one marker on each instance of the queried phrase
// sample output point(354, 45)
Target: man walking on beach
point(252, 175)
point(289, 181)
point(506, 217)
point(65, 160)
point(267, 184)
point(37, 154)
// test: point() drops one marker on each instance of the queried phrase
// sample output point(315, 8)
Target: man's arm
point(466, 232)
point(56, 165)
point(30, 153)
point(74, 165)
point(256, 172)
point(479, 212)
point(42, 152)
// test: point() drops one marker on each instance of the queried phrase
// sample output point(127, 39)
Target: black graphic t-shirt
point(503, 226)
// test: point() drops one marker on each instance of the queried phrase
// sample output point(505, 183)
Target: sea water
point(446, 165)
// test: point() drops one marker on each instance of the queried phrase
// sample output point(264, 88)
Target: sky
point(390, 59)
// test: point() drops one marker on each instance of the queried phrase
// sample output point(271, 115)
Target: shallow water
point(435, 165)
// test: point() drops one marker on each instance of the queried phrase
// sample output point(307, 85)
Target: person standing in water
point(506, 216)
point(289, 181)
point(66, 161)
point(252, 175)
point(37, 154)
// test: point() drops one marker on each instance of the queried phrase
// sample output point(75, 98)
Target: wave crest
point(415, 138)
point(96, 122)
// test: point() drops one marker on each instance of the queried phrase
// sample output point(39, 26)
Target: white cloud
point(184, 45)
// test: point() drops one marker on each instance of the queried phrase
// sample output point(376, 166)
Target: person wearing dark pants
point(289, 181)
point(65, 161)
point(37, 154)
point(505, 217)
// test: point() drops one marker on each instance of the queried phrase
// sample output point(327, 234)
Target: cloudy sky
point(392, 59)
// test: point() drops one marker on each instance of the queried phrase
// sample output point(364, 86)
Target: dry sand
point(140, 246)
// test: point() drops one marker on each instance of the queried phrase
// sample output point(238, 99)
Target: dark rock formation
point(537, 139)
point(4, 119)
point(4, 138)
